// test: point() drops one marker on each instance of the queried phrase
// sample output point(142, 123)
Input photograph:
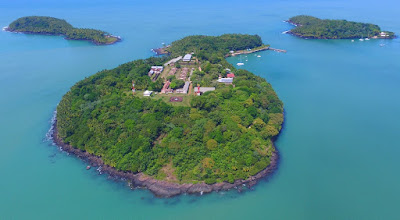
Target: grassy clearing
point(166, 97)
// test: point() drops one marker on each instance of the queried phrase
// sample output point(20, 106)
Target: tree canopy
point(224, 135)
point(312, 27)
point(55, 26)
point(213, 48)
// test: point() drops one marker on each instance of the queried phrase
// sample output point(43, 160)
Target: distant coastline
point(43, 25)
point(158, 187)
point(309, 27)
point(117, 38)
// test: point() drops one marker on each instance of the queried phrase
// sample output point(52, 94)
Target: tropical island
point(189, 122)
point(59, 27)
point(315, 28)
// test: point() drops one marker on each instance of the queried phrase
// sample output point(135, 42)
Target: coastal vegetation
point(55, 26)
point(312, 27)
point(222, 135)
point(214, 48)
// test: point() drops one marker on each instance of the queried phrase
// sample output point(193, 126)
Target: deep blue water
point(339, 148)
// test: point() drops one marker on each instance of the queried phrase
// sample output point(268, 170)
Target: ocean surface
point(340, 143)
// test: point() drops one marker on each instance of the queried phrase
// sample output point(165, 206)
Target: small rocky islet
point(53, 26)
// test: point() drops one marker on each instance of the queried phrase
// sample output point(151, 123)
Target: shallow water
point(338, 149)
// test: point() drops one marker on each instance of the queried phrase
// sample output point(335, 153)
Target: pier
point(277, 50)
point(254, 51)
point(161, 50)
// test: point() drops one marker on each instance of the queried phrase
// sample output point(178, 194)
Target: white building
point(225, 80)
point(201, 90)
point(184, 89)
point(173, 61)
point(156, 70)
point(187, 57)
point(147, 93)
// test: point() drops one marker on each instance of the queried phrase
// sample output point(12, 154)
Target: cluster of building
point(165, 88)
point(183, 73)
point(155, 71)
point(172, 71)
point(384, 34)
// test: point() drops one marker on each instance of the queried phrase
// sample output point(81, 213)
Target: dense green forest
point(207, 46)
point(223, 135)
point(312, 27)
point(55, 26)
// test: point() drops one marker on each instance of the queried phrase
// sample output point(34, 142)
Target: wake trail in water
point(49, 135)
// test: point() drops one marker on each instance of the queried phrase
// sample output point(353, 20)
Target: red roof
point(230, 75)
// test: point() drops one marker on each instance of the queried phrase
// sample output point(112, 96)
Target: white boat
point(381, 45)
point(352, 40)
point(285, 32)
point(5, 28)
point(241, 62)
point(367, 38)
point(259, 56)
point(361, 39)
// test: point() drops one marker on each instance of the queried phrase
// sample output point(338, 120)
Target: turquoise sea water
point(339, 147)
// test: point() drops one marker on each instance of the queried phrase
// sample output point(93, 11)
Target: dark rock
point(162, 188)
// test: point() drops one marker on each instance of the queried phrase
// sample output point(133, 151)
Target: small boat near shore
point(5, 28)
point(240, 64)
point(259, 56)
point(285, 32)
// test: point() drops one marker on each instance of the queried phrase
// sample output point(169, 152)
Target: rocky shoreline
point(162, 188)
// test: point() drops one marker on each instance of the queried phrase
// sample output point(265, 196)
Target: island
point(314, 28)
point(189, 122)
point(54, 26)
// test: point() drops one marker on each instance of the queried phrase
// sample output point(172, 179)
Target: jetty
point(239, 52)
point(277, 50)
point(161, 50)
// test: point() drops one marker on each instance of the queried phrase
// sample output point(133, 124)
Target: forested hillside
point(223, 135)
point(312, 27)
